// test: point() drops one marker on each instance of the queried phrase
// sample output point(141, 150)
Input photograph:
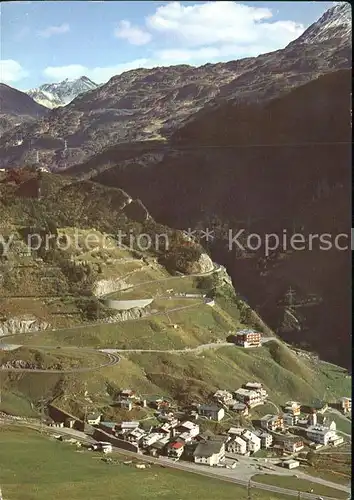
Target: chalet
point(212, 412)
point(257, 387)
point(248, 338)
point(93, 418)
point(188, 427)
point(237, 445)
point(293, 408)
point(158, 448)
point(225, 397)
point(345, 404)
point(149, 439)
point(290, 443)
point(209, 452)
point(52, 423)
point(135, 436)
point(175, 449)
point(265, 437)
point(248, 397)
point(240, 409)
point(129, 426)
point(252, 440)
point(272, 422)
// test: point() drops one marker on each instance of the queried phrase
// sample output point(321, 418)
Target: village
point(286, 436)
point(181, 433)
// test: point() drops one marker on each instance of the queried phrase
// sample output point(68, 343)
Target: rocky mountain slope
point(16, 108)
point(283, 165)
point(189, 363)
point(147, 104)
point(53, 95)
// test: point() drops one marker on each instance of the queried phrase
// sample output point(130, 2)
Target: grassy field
point(336, 467)
point(188, 376)
point(35, 467)
point(299, 485)
point(198, 325)
point(54, 359)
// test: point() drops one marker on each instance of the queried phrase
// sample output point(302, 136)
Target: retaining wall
point(125, 305)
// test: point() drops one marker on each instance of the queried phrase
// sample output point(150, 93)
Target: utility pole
point(290, 294)
point(42, 401)
point(249, 490)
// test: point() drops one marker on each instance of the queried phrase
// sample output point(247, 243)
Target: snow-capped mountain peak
point(53, 95)
point(336, 23)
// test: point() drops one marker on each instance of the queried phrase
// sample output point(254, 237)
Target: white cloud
point(54, 30)
point(133, 34)
point(222, 23)
point(194, 34)
point(11, 71)
point(97, 74)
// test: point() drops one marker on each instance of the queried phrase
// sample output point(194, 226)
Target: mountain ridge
point(273, 186)
point(17, 107)
point(54, 95)
point(151, 104)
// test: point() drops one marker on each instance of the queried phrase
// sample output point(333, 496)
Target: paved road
point(112, 359)
point(200, 348)
point(100, 323)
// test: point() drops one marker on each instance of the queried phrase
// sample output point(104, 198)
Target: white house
point(258, 387)
point(237, 445)
point(224, 396)
point(175, 449)
point(190, 428)
point(321, 434)
point(129, 426)
point(253, 442)
point(106, 447)
point(272, 422)
point(292, 407)
point(135, 436)
point(93, 418)
point(249, 397)
point(149, 439)
point(345, 404)
point(266, 439)
point(209, 453)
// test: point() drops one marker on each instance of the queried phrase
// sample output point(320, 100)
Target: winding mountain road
point(111, 355)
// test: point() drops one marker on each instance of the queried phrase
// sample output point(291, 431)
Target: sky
point(49, 41)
